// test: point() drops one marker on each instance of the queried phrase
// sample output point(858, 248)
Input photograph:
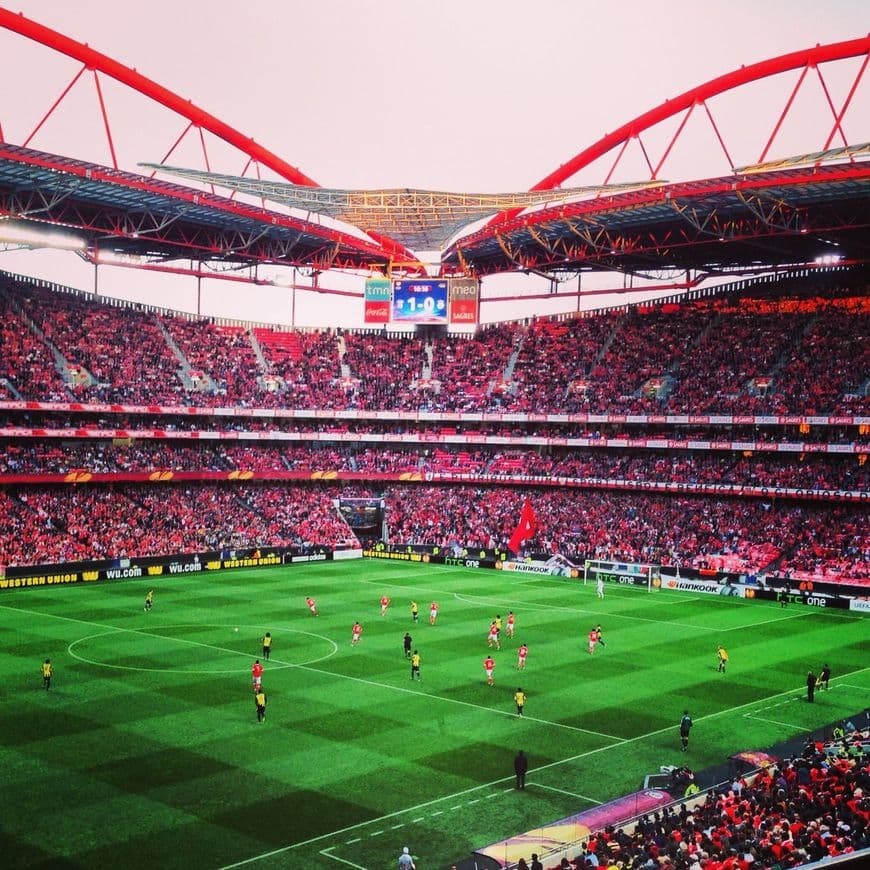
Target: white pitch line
point(569, 793)
point(302, 667)
point(496, 782)
point(772, 721)
point(327, 854)
point(483, 601)
point(471, 789)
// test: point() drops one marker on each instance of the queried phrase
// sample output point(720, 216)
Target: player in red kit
point(511, 623)
point(522, 652)
point(385, 603)
point(489, 667)
point(311, 605)
point(433, 612)
point(257, 675)
point(593, 640)
point(492, 640)
point(356, 632)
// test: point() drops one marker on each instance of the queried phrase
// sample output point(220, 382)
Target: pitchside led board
point(422, 300)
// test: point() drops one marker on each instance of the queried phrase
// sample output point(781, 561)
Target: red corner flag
point(526, 527)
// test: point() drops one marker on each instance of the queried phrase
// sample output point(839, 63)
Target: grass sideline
point(146, 752)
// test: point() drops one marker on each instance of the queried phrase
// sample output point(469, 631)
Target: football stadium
point(526, 529)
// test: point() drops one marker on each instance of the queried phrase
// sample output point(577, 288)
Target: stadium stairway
point(203, 382)
point(344, 367)
point(61, 363)
point(508, 373)
point(170, 341)
point(10, 388)
point(428, 351)
point(606, 344)
point(258, 351)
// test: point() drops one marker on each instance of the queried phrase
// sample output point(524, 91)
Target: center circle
point(182, 642)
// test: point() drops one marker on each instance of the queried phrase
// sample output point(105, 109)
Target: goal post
point(639, 575)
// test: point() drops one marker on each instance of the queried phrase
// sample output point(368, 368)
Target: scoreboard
point(436, 301)
point(420, 300)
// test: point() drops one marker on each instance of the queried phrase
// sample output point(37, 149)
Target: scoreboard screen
point(362, 513)
point(420, 300)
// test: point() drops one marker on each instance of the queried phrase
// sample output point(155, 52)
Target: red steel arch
point(91, 59)
point(806, 60)
point(95, 60)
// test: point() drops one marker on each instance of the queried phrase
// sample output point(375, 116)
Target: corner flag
point(525, 529)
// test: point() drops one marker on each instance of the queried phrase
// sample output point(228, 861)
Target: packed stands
point(802, 355)
point(121, 349)
point(810, 807)
point(469, 371)
point(383, 371)
point(223, 354)
point(45, 525)
point(817, 473)
point(27, 369)
point(807, 355)
point(632, 527)
point(306, 367)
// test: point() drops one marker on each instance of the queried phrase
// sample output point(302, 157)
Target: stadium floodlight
point(116, 258)
point(31, 235)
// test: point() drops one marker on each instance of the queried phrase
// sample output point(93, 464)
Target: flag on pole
point(526, 527)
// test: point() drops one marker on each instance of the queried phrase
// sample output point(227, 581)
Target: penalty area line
point(327, 853)
point(581, 797)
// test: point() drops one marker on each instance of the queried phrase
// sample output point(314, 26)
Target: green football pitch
point(146, 751)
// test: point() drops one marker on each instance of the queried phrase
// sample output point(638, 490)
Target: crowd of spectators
point(739, 346)
point(788, 356)
point(307, 367)
point(223, 353)
point(469, 371)
point(555, 357)
point(384, 371)
point(439, 431)
point(121, 349)
point(726, 355)
point(751, 536)
point(25, 361)
point(808, 808)
point(813, 471)
point(44, 525)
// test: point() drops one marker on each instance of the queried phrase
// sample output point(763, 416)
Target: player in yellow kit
point(47, 671)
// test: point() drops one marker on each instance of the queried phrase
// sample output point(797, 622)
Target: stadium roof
point(776, 212)
point(424, 220)
point(778, 217)
point(124, 213)
point(731, 223)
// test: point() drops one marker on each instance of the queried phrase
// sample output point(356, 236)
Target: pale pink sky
point(476, 95)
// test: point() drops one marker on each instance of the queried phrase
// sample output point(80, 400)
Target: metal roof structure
point(423, 220)
point(721, 224)
point(775, 211)
point(123, 213)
